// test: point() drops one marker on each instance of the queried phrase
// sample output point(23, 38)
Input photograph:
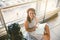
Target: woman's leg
point(47, 33)
point(46, 37)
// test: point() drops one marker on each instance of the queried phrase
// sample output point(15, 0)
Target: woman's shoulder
point(26, 22)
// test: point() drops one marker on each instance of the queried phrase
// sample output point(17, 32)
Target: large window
point(18, 13)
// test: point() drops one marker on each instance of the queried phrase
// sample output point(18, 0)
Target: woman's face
point(31, 14)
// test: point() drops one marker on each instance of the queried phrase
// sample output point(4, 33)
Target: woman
point(39, 31)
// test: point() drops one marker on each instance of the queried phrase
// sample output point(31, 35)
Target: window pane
point(41, 10)
point(5, 3)
point(51, 7)
point(46, 9)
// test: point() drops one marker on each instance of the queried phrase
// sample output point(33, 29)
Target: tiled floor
point(54, 25)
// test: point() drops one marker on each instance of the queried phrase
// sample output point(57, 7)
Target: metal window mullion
point(45, 11)
point(38, 4)
point(3, 22)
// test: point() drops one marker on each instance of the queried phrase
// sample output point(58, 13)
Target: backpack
point(14, 32)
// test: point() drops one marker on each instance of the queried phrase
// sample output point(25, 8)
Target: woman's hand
point(34, 28)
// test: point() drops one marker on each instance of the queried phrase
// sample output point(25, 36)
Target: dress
point(38, 33)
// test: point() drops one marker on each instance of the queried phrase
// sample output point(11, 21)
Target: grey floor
point(54, 25)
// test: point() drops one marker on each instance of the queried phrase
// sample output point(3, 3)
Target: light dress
point(38, 33)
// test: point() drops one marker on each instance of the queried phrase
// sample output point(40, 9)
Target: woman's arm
point(37, 21)
point(47, 33)
point(27, 28)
